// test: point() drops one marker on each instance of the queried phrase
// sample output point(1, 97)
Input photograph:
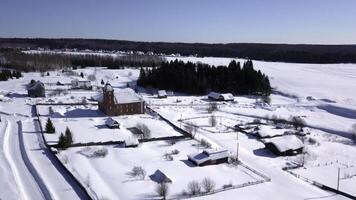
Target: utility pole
point(180, 124)
point(237, 144)
point(338, 178)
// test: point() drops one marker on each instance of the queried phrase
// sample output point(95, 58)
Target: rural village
point(93, 132)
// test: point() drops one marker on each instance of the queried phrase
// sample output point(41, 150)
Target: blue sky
point(219, 21)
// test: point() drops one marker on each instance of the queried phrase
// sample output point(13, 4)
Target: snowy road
point(7, 181)
point(27, 187)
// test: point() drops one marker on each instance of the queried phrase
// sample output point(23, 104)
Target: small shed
point(220, 96)
point(209, 157)
point(111, 123)
point(162, 94)
point(131, 142)
point(36, 89)
point(160, 177)
point(78, 84)
point(287, 145)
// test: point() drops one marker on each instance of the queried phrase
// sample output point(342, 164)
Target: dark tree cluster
point(198, 78)
point(65, 140)
point(296, 53)
point(6, 74)
point(16, 59)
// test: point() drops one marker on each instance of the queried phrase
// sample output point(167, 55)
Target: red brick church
point(121, 102)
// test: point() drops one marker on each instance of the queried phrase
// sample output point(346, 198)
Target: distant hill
point(296, 53)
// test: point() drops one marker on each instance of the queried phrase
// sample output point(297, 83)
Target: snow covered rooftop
point(285, 143)
point(207, 155)
point(111, 122)
point(162, 93)
point(126, 95)
point(131, 141)
point(221, 96)
point(35, 85)
point(268, 131)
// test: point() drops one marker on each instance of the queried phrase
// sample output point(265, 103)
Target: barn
point(220, 96)
point(36, 89)
point(121, 102)
point(287, 145)
point(209, 157)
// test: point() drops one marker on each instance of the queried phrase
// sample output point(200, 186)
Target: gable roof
point(160, 177)
point(224, 96)
point(126, 95)
point(111, 122)
point(207, 155)
point(286, 143)
point(35, 86)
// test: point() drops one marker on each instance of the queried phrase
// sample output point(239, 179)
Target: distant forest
point(298, 53)
point(18, 60)
point(198, 78)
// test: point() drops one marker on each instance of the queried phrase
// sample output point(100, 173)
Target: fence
point(56, 162)
point(321, 186)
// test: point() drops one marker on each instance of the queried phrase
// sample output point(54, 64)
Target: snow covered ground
point(329, 113)
point(118, 184)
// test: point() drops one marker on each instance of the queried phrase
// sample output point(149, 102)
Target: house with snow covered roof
point(111, 123)
point(209, 157)
point(162, 94)
point(287, 145)
point(35, 89)
point(220, 96)
point(120, 102)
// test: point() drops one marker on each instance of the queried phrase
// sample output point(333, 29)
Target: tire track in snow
point(25, 181)
point(8, 186)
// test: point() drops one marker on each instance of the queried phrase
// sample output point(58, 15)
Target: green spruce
point(49, 126)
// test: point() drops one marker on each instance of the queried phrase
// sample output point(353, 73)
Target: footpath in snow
point(58, 183)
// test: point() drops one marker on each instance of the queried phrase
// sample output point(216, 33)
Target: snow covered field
point(118, 184)
point(329, 113)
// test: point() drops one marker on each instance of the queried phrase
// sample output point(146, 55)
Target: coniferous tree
point(62, 142)
point(68, 135)
point(49, 126)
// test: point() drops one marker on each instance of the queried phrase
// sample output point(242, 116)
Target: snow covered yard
point(88, 124)
point(109, 176)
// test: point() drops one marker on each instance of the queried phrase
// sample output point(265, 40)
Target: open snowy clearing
point(118, 184)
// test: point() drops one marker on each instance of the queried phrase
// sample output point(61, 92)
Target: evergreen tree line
point(198, 78)
point(6, 74)
point(295, 53)
point(16, 59)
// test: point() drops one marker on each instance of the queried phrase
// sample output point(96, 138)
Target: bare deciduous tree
point(138, 171)
point(212, 107)
point(194, 187)
point(92, 77)
point(162, 190)
point(353, 131)
point(208, 184)
point(144, 129)
point(212, 120)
